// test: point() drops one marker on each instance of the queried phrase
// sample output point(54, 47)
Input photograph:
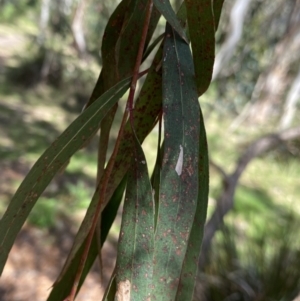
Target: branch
point(225, 201)
point(219, 169)
point(290, 104)
point(237, 18)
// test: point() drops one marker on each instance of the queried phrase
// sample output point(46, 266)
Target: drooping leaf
point(155, 178)
point(167, 11)
point(105, 128)
point(146, 111)
point(106, 125)
point(110, 293)
point(62, 287)
point(128, 43)
point(120, 43)
point(147, 108)
point(179, 175)
point(49, 163)
point(217, 9)
point(190, 267)
point(135, 247)
point(152, 46)
point(202, 34)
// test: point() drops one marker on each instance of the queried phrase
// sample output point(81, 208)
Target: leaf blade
point(167, 11)
point(62, 287)
point(49, 163)
point(202, 34)
point(190, 267)
point(217, 9)
point(135, 247)
point(179, 176)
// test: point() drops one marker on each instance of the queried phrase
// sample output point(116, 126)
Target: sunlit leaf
point(135, 248)
point(202, 35)
point(179, 175)
point(155, 178)
point(49, 163)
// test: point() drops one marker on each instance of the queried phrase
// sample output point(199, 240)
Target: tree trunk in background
point(77, 28)
point(290, 104)
point(237, 17)
point(44, 19)
point(272, 84)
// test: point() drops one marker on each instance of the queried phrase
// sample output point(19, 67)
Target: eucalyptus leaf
point(190, 267)
point(63, 285)
point(217, 9)
point(167, 11)
point(202, 34)
point(147, 108)
point(135, 247)
point(179, 174)
point(50, 163)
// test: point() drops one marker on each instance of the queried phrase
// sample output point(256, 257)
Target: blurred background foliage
point(49, 62)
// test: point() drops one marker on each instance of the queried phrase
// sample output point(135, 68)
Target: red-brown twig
point(110, 165)
point(138, 61)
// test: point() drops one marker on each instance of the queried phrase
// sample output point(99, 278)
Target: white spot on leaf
point(179, 163)
point(123, 291)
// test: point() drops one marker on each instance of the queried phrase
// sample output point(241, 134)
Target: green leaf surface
point(135, 247)
point(148, 103)
point(179, 175)
point(167, 11)
point(147, 108)
point(217, 9)
point(190, 267)
point(128, 43)
point(202, 33)
point(63, 286)
point(111, 289)
point(49, 163)
point(155, 178)
point(152, 46)
point(121, 41)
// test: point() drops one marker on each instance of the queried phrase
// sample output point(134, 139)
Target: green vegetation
point(254, 255)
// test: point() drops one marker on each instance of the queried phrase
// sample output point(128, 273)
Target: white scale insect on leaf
point(179, 163)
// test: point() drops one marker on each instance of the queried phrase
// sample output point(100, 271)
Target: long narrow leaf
point(135, 248)
point(167, 11)
point(120, 43)
point(49, 163)
point(62, 287)
point(179, 176)
point(128, 43)
point(190, 267)
point(147, 108)
point(202, 34)
point(217, 9)
point(155, 178)
point(111, 290)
